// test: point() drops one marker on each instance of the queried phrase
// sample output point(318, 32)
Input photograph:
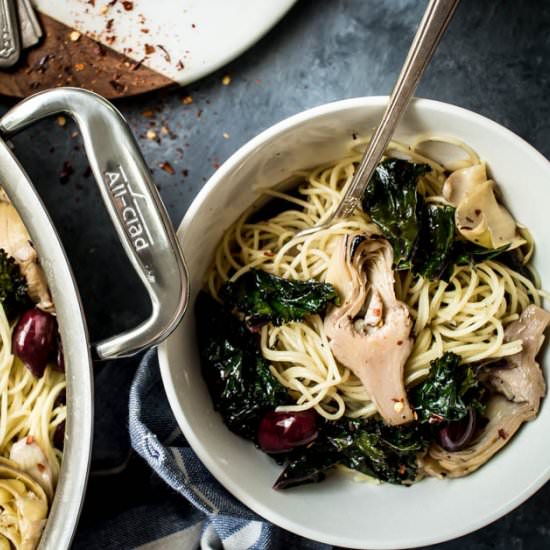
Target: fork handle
point(436, 18)
point(9, 34)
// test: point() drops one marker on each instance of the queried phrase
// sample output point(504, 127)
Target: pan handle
point(133, 203)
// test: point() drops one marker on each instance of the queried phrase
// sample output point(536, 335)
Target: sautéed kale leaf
point(435, 241)
point(262, 298)
point(238, 377)
point(13, 286)
point(367, 446)
point(448, 392)
point(394, 205)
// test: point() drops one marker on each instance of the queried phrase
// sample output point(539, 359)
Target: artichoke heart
point(23, 507)
point(479, 217)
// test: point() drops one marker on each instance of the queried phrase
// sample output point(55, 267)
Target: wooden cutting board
point(120, 48)
point(60, 61)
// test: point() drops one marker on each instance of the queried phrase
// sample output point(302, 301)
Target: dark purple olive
point(59, 436)
point(456, 435)
point(61, 399)
point(282, 431)
point(34, 339)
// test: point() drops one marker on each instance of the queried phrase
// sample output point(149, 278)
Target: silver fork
point(19, 29)
point(436, 18)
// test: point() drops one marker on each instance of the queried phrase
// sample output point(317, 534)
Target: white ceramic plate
point(340, 511)
point(201, 34)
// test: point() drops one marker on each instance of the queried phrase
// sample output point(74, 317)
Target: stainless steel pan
point(148, 238)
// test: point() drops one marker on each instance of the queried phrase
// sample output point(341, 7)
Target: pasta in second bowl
point(379, 516)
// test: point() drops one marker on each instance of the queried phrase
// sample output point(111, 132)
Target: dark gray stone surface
point(495, 60)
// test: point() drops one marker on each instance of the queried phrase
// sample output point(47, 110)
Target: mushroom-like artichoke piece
point(15, 240)
point(370, 332)
point(520, 386)
point(479, 217)
point(23, 506)
point(29, 456)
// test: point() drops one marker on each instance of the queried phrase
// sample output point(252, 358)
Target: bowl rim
point(188, 431)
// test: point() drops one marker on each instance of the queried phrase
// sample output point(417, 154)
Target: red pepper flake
point(117, 86)
point(399, 342)
point(138, 64)
point(42, 65)
point(166, 131)
point(99, 50)
point(502, 434)
point(149, 49)
point(30, 440)
point(110, 40)
point(167, 57)
point(180, 66)
point(66, 172)
point(92, 3)
point(144, 31)
point(435, 419)
point(167, 167)
point(402, 470)
point(128, 6)
point(40, 467)
point(376, 311)
point(269, 253)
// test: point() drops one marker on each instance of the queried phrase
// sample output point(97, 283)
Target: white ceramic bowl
point(340, 511)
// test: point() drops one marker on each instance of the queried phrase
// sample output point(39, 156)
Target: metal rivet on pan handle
point(133, 203)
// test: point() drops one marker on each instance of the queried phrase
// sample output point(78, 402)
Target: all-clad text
point(126, 201)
